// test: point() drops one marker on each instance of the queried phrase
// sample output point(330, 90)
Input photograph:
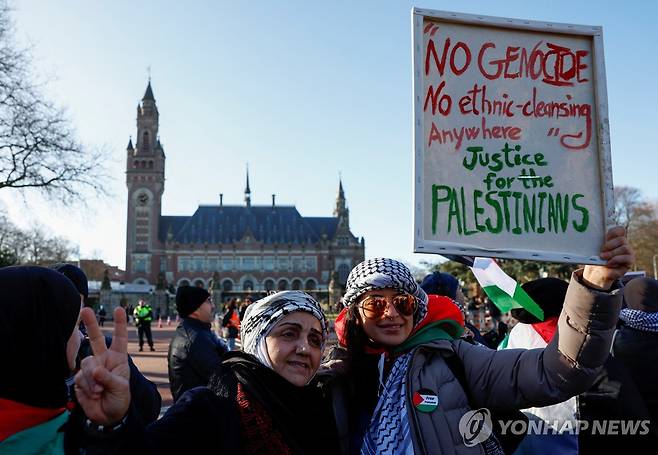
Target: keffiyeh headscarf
point(382, 273)
point(262, 315)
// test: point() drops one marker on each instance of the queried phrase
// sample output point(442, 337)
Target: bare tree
point(38, 147)
point(640, 217)
point(628, 205)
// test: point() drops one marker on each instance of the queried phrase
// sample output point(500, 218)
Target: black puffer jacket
point(194, 353)
point(638, 351)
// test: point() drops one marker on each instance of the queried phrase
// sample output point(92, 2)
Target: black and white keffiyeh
point(262, 315)
point(640, 320)
point(382, 273)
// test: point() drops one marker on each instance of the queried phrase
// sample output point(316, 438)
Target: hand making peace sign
point(102, 385)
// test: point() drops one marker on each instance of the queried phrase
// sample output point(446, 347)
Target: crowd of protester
point(407, 368)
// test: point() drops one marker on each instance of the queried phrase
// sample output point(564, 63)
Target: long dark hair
point(355, 337)
point(361, 366)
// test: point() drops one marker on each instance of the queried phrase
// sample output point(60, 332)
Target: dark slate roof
point(229, 224)
point(148, 95)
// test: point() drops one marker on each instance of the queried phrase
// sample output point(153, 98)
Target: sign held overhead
point(511, 138)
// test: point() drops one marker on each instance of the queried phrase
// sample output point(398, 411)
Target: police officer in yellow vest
point(143, 316)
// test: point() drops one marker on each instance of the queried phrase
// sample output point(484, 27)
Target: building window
point(227, 285)
point(310, 285)
point(268, 263)
point(298, 263)
point(139, 265)
point(227, 264)
point(269, 285)
point(343, 272)
point(343, 241)
point(198, 264)
point(248, 285)
point(248, 263)
point(146, 142)
point(199, 284)
point(296, 284)
point(311, 263)
point(212, 264)
point(283, 263)
point(163, 264)
point(282, 285)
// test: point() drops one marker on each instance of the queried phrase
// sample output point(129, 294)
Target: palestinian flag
point(425, 400)
point(502, 289)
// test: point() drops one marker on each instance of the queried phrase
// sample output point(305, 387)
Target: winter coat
point(246, 408)
point(501, 380)
point(194, 353)
point(638, 351)
point(613, 396)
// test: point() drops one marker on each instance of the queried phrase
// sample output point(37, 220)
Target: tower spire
point(148, 94)
point(247, 190)
point(341, 211)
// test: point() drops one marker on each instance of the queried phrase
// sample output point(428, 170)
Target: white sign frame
point(600, 124)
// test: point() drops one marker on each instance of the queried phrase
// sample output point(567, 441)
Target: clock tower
point(145, 166)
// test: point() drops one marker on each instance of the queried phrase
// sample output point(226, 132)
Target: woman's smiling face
point(294, 346)
point(391, 327)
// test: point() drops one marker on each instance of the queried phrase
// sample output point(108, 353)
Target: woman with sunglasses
point(409, 381)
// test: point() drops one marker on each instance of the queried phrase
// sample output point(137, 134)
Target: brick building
point(235, 249)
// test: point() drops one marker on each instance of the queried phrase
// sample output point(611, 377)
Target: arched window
point(248, 285)
point(282, 285)
point(343, 271)
point(310, 284)
point(145, 140)
point(184, 283)
point(227, 285)
point(199, 284)
point(269, 285)
point(296, 285)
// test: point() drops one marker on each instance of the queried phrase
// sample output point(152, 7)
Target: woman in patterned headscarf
point(262, 399)
point(412, 385)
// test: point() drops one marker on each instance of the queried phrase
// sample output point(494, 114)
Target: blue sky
point(302, 91)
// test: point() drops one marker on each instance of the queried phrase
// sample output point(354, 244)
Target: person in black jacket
point(195, 350)
point(636, 342)
point(147, 398)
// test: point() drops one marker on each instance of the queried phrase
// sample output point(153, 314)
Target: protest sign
point(511, 138)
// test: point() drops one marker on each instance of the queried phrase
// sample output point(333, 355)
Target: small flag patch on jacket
point(425, 400)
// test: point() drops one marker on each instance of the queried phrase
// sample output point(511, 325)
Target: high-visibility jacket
point(143, 314)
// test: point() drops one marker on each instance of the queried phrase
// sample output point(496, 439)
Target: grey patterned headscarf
point(262, 315)
point(382, 273)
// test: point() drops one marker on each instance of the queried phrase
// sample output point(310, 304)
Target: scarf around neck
point(639, 320)
point(302, 414)
point(389, 428)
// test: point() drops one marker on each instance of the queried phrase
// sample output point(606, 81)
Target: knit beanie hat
point(440, 283)
point(548, 293)
point(642, 294)
point(189, 298)
point(76, 275)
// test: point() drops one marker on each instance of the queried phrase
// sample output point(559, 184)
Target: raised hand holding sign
point(102, 384)
point(619, 257)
